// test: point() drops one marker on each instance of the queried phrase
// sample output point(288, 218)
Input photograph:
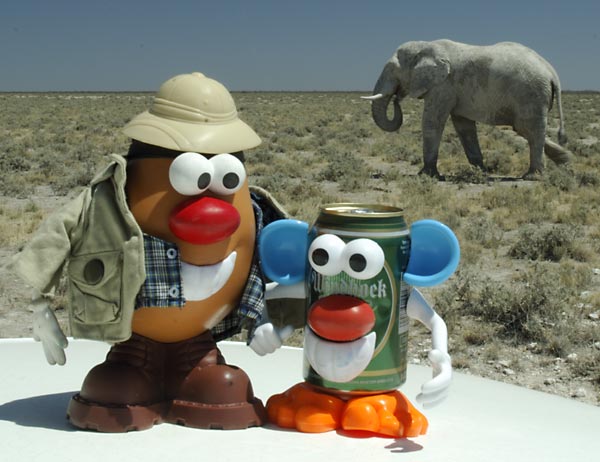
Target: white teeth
point(338, 362)
point(200, 282)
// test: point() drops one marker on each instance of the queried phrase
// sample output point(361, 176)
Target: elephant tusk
point(373, 97)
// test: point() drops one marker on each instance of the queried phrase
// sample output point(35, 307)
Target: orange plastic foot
point(310, 411)
point(306, 410)
point(390, 414)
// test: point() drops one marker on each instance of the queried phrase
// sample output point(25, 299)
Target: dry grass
point(528, 286)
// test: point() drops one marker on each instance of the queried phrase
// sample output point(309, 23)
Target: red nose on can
point(341, 318)
point(204, 220)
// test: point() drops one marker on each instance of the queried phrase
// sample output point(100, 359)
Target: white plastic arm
point(47, 330)
point(435, 390)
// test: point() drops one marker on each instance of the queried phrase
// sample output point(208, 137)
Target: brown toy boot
point(125, 392)
point(206, 392)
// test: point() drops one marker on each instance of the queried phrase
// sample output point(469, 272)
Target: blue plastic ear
point(434, 254)
point(283, 248)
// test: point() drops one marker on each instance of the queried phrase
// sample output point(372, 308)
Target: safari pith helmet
point(192, 112)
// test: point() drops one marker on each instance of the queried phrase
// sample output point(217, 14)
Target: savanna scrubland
point(524, 306)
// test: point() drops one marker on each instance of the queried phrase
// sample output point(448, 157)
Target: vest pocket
point(95, 286)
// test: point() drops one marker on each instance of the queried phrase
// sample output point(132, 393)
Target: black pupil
point(320, 257)
point(358, 262)
point(204, 180)
point(231, 180)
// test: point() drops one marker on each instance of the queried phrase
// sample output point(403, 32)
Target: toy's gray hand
point(47, 330)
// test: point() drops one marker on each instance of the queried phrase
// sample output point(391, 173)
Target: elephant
point(502, 84)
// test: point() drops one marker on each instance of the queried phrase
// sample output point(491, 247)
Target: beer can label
point(385, 293)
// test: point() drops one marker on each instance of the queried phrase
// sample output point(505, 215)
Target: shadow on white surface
point(404, 446)
point(42, 411)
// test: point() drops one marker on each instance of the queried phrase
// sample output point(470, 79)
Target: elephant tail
point(557, 153)
point(556, 92)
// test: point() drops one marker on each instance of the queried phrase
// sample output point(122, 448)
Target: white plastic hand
point(435, 390)
point(267, 338)
point(47, 330)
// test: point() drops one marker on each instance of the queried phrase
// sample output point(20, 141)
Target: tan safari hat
point(192, 112)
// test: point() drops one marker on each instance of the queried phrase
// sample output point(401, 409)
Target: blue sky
point(63, 45)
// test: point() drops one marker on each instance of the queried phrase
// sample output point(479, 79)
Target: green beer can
point(384, 292)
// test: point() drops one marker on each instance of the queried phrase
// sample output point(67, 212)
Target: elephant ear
point(428, 72)
point(283, 250)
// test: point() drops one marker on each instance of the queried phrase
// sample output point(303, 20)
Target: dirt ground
point(516, 365)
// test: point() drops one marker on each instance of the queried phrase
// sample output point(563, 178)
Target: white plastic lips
point(200, 282)
point(339, 362)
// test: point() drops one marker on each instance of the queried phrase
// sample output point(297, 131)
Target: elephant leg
point(467, 133)
point(535, 134)
point(536, 158)
point(434, 121)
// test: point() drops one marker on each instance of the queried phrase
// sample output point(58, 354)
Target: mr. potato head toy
point(359, 265)
point(160, 261)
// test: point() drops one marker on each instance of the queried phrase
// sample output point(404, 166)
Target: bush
point(545, 244)
point(528, 309)
point(482, 230)
point(469, 174)
point(344, 167)
point(561, 178)
point(588, 178)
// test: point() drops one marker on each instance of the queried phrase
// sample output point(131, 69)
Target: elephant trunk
point(386, 89)
point(379, 110)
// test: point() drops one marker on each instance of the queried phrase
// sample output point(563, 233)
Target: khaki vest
point(98, 239)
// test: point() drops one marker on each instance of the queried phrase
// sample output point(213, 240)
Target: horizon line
point(3, 92)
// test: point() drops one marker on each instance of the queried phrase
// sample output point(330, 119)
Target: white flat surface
point(481, 421)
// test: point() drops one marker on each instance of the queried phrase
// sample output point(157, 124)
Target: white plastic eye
point(325, 254)
point(229, 176)
point(191, 173)
point(363, 259)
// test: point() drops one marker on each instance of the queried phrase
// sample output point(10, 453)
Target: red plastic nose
point(341, 318)
point(204, 220)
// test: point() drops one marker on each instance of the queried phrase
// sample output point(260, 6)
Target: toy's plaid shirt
point(163, 286)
